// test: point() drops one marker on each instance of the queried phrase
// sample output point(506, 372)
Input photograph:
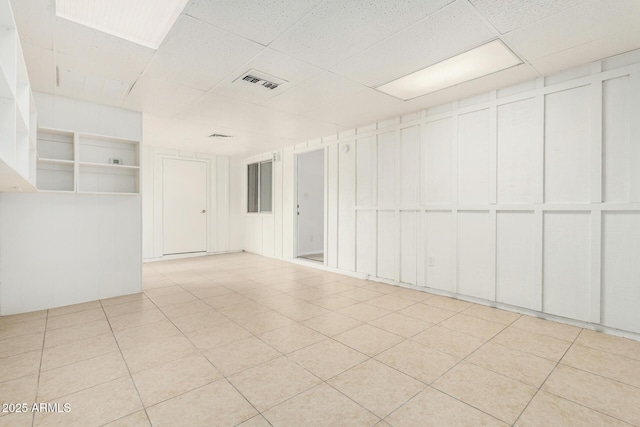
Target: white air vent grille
point(219, 135)
point(259, 78)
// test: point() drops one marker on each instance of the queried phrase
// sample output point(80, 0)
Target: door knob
point(204, 211)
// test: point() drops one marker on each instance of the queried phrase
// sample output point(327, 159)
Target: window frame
point(258, 191)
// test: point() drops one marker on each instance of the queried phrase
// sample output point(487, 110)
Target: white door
point(184, 197)
point(310, 200)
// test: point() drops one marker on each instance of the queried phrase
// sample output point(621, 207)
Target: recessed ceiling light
point(472, 64)
point(144, 22)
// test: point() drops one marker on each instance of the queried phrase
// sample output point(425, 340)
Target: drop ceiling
point(331, 53)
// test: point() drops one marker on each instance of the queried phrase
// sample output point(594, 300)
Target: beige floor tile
point(529, 342)
point(608, 365)
point(265, 385)
point(417, 361)
point(122, 300)
point(182, 309)
point(208, 292)
point(368, 339)
point(447, 303)
point(547, 327)
point(492, 393)
point(257, 421)
point(321, 406)
point(610, 343)
point(136, 319)
point(200, 320)
point(95, 406)
point(244, 310)
point(310, 293)
point(77, 351)
point(137, 419)
point(601, 394)
point(226, 300)
point(491, 314)
point(473, 326)
point(20, 365)
point(302, 311)
point(240, 355)
point(335, 287)
point(400, 324)
point(448, 341)
point(427, 313)
point(73, 333)
point(58, 382)
point(215, 336)
point(174, 378)
point(74, 319)
point(157, 353)
point(258, 293)
point(382, 288)
point(521, 366)
point(27, 327)
point(360, 294)
point(147, 333)
point(377, 387)
point(432, 408)
point(334, 302)
point(411, 294)
point(548, 410)
point(364, 312)
point(331, 324)
point(17, 419)
point(279, 301)
point(327, 358)
point(291, 338)
point(21, 344)
point(170, 299)
point(163, 291)
point(391, 302)
point(75, 308)
point(264, 322)
point(22, 318)
point(21, 390)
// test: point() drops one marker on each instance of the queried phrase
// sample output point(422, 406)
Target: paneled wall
point(224, 220)
point(527, 196)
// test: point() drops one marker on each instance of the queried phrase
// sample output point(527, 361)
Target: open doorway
point(310, 205)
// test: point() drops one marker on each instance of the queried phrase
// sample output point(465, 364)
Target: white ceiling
point(331, 53)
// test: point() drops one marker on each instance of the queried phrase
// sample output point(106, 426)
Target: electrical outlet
point(431, 261)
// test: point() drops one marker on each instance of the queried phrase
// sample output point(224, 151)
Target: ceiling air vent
point(219, 135)
point(259, 78)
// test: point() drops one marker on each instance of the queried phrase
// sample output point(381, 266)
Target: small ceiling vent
point(220, 135)
point(259, 78)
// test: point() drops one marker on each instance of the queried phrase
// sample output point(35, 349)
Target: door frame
point(159, 203)
point(295, 201)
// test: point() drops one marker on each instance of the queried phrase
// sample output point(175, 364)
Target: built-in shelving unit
point(87, 163)
point(17, 111)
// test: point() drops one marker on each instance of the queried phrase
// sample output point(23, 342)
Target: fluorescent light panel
point(472, 64)
point(145, 22)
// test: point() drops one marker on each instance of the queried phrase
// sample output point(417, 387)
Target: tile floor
point(243, 340)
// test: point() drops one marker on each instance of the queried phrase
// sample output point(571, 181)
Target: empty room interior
point(319, 213)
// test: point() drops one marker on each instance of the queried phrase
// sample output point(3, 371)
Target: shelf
point(105, 179)
point(12, 181)
point(55, 176)
point(56, 161)
point(55, 144)
point(107, 166)
point(107, 193)
point(99, 150)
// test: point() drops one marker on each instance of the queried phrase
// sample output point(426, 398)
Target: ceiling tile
point(160, 97)
point(589, 52)
point(199, 55)
point(507, 15)
point(313, 93)
point(362, 108)
point(260, 21)
point(448, 32)
point(339, 29)
point(590, 21)
point(116, 70)
point(101, 49)
point(34, 20)
point(89, 87)
point(273, 63)
point(39, 67)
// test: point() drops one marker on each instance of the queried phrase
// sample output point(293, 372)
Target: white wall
point(60, 249)
point(527, 196)
point(310, 170)
point(224, 201)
